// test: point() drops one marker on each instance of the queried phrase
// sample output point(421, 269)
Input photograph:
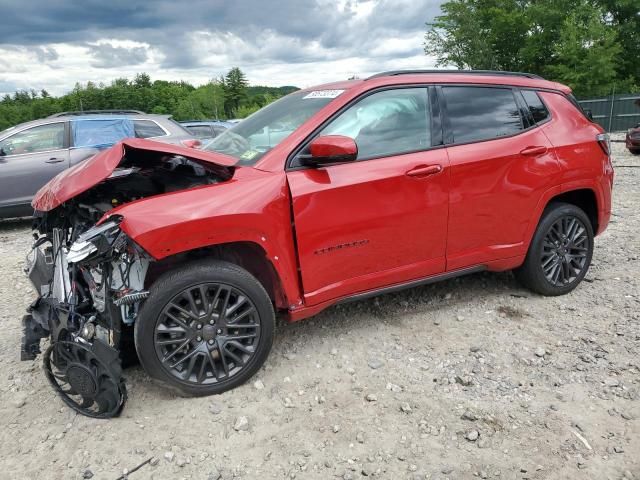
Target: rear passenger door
point(501, 163)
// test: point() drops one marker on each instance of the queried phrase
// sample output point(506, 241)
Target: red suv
point(333, 193)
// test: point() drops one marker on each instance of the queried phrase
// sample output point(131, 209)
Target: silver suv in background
point(34, 152)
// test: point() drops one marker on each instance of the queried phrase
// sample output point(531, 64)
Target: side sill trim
point(413, 283)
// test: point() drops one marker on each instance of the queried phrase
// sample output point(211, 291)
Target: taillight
point(192, 143)
point(605, 142)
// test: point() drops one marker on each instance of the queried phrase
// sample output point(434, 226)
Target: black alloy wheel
point(205, 328)
point(560, 251)
point(565, 250)
point(207, 333)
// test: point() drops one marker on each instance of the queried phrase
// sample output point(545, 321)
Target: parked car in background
point(206, 129)
point(330, 194)
point(34, 152)
point(633, 139)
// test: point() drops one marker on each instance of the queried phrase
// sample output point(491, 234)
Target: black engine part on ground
point(87, 376)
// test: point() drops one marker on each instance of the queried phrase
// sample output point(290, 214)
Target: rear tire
point(205, 328)
point(560, 252)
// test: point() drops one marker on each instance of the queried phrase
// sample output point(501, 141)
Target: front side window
point(35, 139)
point(537, 109)
point(481, 113)
point(148, 129)
point(386, 123)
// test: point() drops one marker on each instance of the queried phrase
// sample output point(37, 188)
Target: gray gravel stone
point(472, 435)
point(375, 363)
point(241, 424)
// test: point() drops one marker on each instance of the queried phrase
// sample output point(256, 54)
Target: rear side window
point(537, 109)
point(148, 129)
point(481, 113)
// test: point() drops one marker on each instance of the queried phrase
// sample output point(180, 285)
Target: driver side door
point(382, 219)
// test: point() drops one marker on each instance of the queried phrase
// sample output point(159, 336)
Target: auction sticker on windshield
point(323, 94)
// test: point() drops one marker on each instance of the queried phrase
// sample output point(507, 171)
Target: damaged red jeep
point(330, 194)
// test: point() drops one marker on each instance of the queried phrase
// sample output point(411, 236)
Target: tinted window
point(386, 123)
point(480, 113)
point(536, 107)
point(200, 131)
point(147, 129)
point(36, 139)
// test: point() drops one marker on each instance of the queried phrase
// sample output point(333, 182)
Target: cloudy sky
point(52, 44)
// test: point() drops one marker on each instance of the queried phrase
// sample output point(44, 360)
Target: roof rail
point(461, 72)
point(97, 112)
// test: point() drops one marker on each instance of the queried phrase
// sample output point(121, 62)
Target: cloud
point(109, 56)
point(45, 54)
point(295, 41)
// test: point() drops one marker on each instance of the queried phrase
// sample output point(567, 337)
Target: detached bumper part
point(32, 333)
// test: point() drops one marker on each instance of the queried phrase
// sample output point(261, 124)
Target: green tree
point(177, 98)
point(564, 40)
point(585, 57)
point(624, 17)
point(235, 91)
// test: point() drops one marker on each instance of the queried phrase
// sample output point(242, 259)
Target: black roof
point(460, 72)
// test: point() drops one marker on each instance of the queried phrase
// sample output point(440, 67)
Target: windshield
point(250, 139)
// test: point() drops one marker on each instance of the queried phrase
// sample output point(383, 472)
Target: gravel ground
point(470, 378)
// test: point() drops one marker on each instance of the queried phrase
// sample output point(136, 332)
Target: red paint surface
point(329, 146)
point(342, 229)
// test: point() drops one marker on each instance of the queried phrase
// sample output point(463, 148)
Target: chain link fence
point(615, 113)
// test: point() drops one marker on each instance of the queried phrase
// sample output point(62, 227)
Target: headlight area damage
point(90, 276)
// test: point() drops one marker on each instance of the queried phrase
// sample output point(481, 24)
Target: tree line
point(227, 97)
point(590, 45)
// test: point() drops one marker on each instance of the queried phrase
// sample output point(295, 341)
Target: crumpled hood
point(86, 174)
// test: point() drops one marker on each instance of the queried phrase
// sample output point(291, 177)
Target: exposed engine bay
point(91, 279)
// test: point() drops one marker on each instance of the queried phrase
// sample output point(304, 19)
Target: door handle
point(54, 160)
point(531, 151)
point(424, 170)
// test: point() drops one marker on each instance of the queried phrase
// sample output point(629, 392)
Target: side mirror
point(331, 149)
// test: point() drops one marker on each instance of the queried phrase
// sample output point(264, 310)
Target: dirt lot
point(471, 378)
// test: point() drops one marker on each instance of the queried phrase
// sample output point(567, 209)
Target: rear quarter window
point(148, 129)
point(481, 113)
point(537, 109)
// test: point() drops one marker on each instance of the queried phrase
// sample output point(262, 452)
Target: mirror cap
point(332, 149)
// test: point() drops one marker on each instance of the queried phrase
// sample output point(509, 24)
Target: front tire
point(205, 328)
point(560, 252)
